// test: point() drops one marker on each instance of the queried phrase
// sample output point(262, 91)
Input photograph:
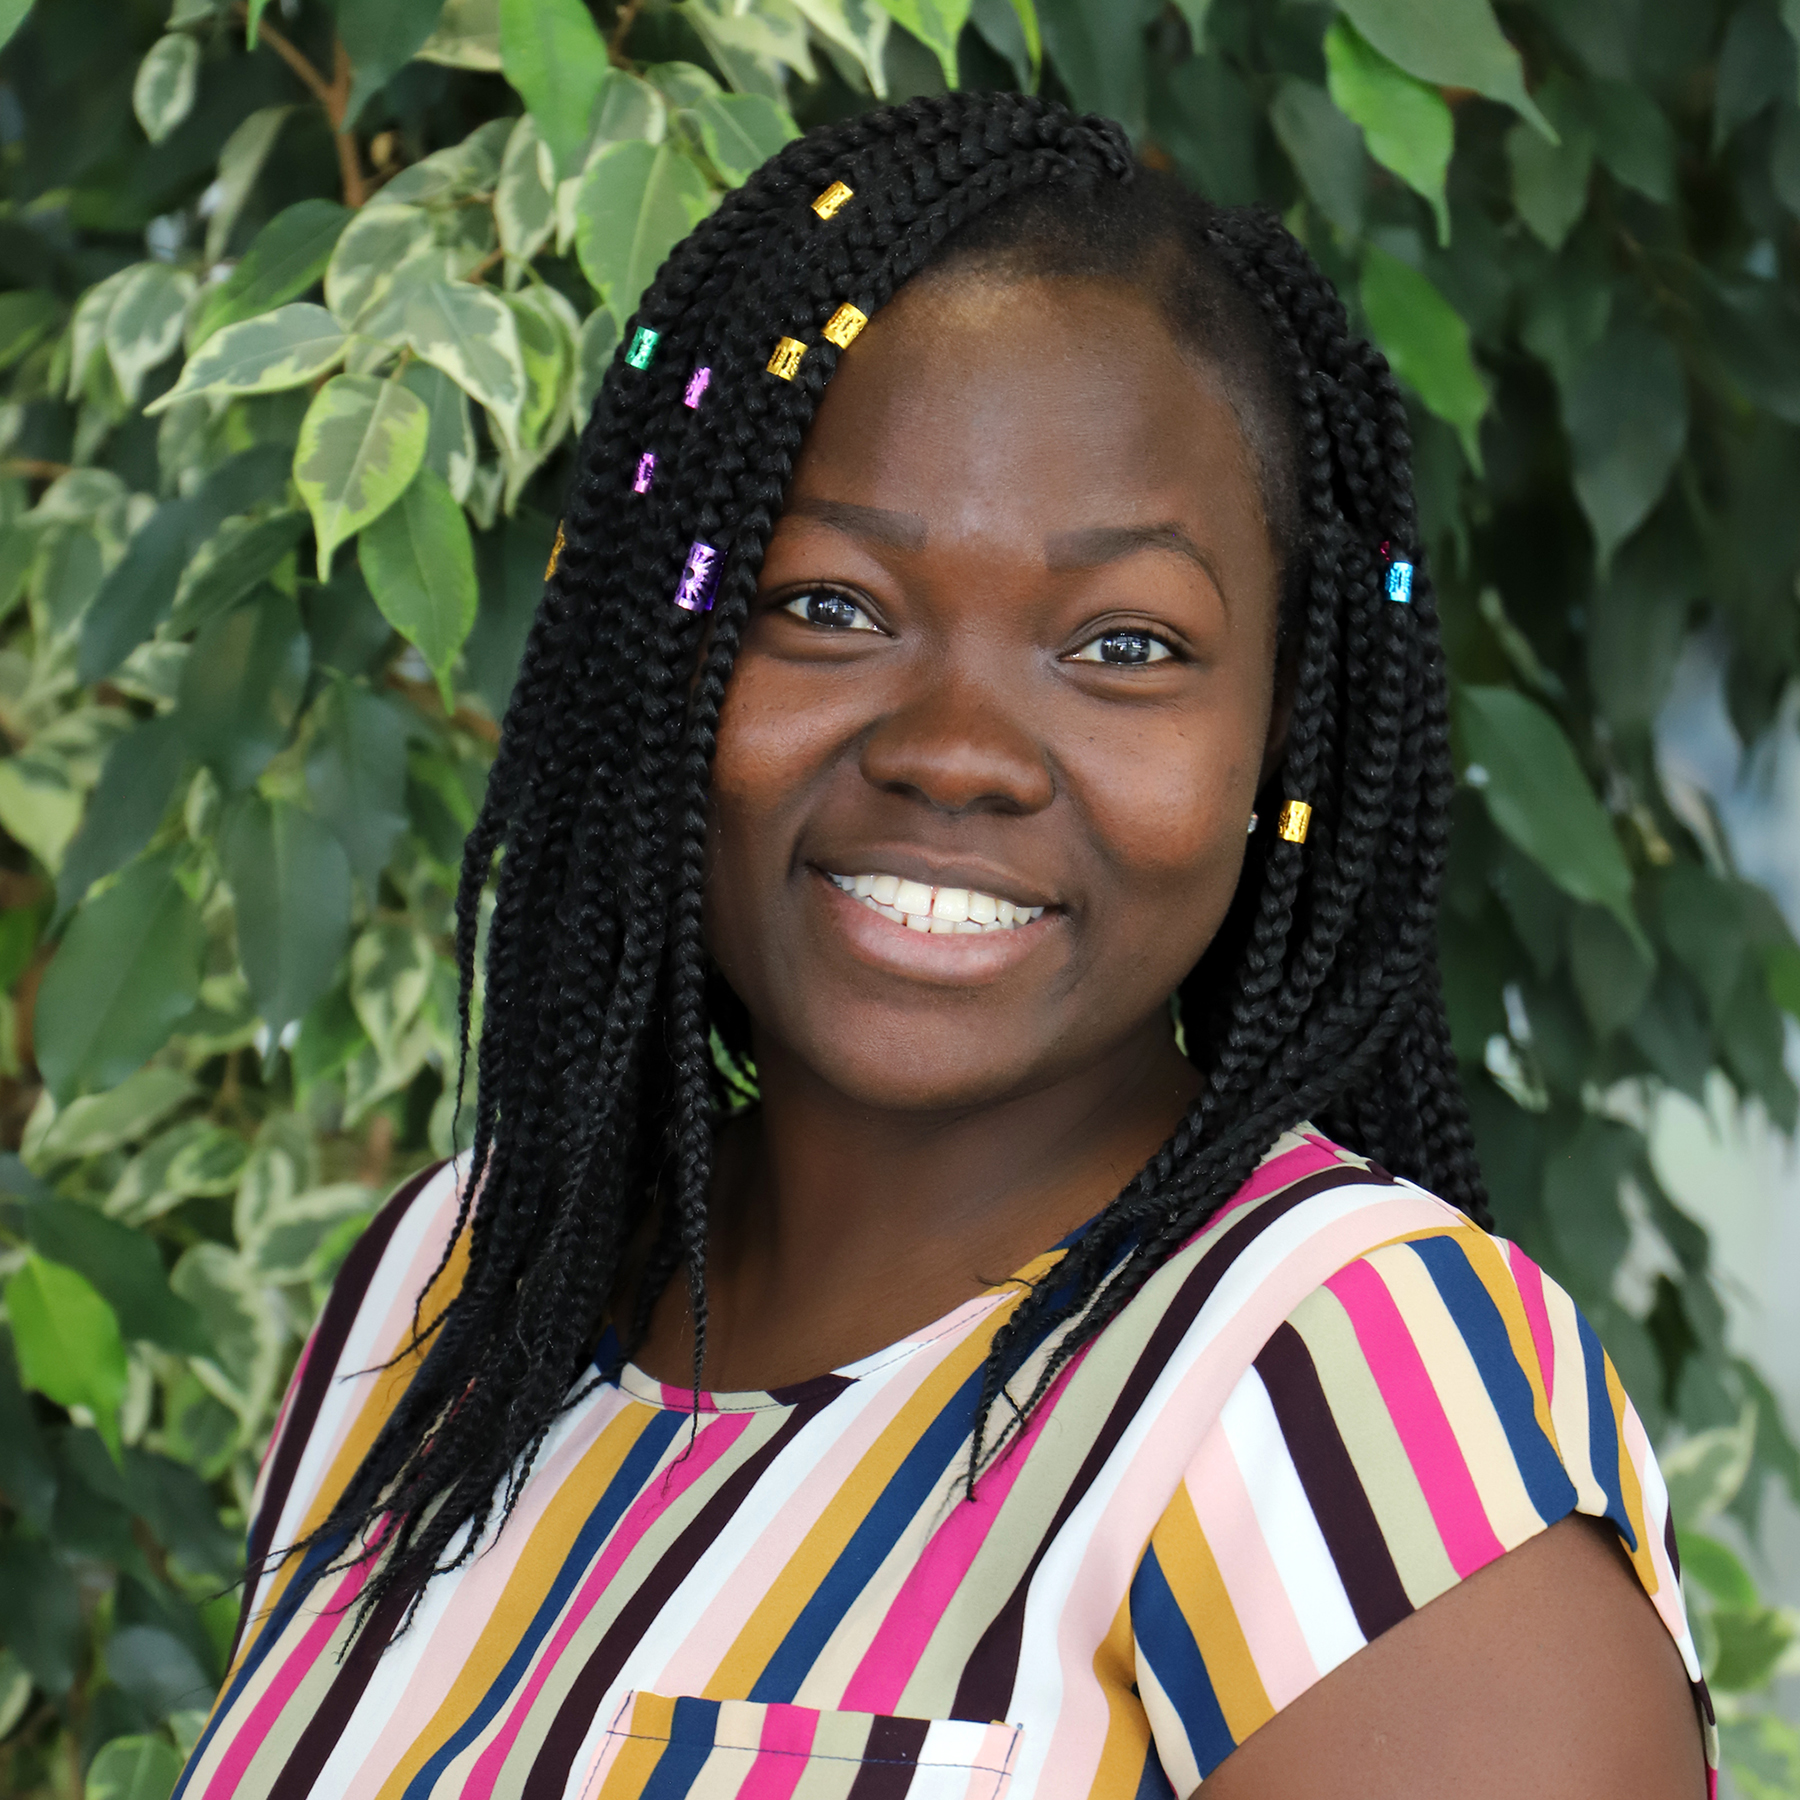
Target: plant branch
point(332, 95)
point(615, 45)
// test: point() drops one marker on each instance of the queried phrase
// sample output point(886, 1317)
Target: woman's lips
point(952, 957)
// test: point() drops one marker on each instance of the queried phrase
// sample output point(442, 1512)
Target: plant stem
point(615, 45)
point(332, 95)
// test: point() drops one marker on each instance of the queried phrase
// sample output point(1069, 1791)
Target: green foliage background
point(300, 309)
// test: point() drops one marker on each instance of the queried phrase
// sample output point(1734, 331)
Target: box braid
point(598, 1096)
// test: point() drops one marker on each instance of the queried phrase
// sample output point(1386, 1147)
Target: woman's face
point(1012, 653)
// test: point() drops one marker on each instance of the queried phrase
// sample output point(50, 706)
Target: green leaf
point(241, 555)
point(1751, 1641)
point(1611, 970)
point(144, 325)
point(594, 351)
point(1537, 794)
point(553, 54)
point(1449, 43)
point(13, 14)
point(525, 199)
point(467, 36)
point(121, 1115)
point(360, 444)
point(1625, 409)
point(937, 24)
point(861, 27)
point(133, 1768)
point(163, 93)
point(547, 329)
point(124, 1269)
point(283, 349)
point(41, 1620)
point(289, 255)
point(450, 449)
point(241, 161)
point(753, 46)
point(25, 320)
point(291, 883)
point(1406, 124)
point(741, 132)
point(1634, 138)
point(419, 562)
point(390, 975)
point(124, 976)
point(637, 202)
point(241, 688)
point(381, 39)
point(375, 250)
point(1755, 69)
point(39, 806)
point(68, 1343)
point(1717, 1569)
point(26, 1474)
point(511, 561)
point(356, 774)
point(1782, 962)
point(469, 333)
point(1325, 149)
point(1550, 181)
point(1427, 343)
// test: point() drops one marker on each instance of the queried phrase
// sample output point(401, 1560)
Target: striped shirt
point(1334, 1403)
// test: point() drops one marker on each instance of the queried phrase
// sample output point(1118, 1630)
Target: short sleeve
point(1432, 1405)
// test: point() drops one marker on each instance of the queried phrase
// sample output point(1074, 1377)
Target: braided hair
point(598, 1091)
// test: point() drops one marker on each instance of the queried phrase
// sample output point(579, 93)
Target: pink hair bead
point(698, 579)
point(646, 473)
point(698, 383)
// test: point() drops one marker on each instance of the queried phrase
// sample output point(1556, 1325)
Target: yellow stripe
point(652, 1718)
point(540, 1562)
point(790, 1590)
point(1630, 1488)
point(1127, 1724)
point(1193, 1575)
point(1489, 1262)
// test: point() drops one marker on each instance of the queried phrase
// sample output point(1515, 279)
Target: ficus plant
point(301, 310)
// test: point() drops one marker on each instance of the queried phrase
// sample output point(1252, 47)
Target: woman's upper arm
point(1546, 1673)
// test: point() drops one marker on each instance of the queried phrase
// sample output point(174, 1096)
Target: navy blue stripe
point(908, 1489)
point(634, 1472)
point(1472, 1309)
point(1166, 1642)
point(691, 1735)
point(1603, 1432)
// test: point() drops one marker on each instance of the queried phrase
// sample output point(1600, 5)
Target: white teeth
point(944, 912)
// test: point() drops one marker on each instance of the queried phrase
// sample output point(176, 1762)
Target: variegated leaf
point(375, 246)
point(144, 323)
point(419, 562)
point(361, 443)
point(753, 48)
point(450, 449)
point(240, 163)
point(594, 351)
point(283, 349)
point(455, 173)
point(469, 333)
point(525, 200)
point(87, 329)
point(163, 93)
point(554, 55)
point(741, 132)
point(467, 36)
point(637, 203)
point(859, 26)
point(548, 328)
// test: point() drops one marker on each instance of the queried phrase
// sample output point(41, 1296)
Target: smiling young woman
point(1013, 632)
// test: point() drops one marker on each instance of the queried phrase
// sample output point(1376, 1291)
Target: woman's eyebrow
point(1097, 544)
point(898, 530)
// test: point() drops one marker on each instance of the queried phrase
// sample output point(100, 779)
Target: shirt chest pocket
point(662, 1748)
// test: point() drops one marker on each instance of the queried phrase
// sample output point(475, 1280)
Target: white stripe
point(1165, 1448)
point(1289, 1526)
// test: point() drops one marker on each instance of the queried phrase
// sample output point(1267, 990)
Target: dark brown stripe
point(348, 1292)
point(1334, 1490)
point(890, 1759)
point(549, 1774)
point(985, 1690)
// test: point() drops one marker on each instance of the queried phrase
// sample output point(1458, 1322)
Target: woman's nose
point(960, 747)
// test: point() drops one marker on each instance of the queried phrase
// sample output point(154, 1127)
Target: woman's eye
point(835, 612)
point(1124, 650)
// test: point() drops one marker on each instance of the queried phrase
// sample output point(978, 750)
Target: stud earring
point(1251, 831)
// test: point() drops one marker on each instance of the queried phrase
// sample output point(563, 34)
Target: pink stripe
point(656, 1499)
point(787, 1736)
point(924, 1597)
point(1418, 1415)
point(1530, 1280)
point(248, 1738)
point(1283, 1170)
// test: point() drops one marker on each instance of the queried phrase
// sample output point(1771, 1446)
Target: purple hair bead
point(698, 383)
point(698, 579)
point(646, 473)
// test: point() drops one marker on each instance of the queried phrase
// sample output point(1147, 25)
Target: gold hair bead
point(831, 202)
point(843, 325)
point(786, 360)
point(555, 552)
point(1296, 815)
